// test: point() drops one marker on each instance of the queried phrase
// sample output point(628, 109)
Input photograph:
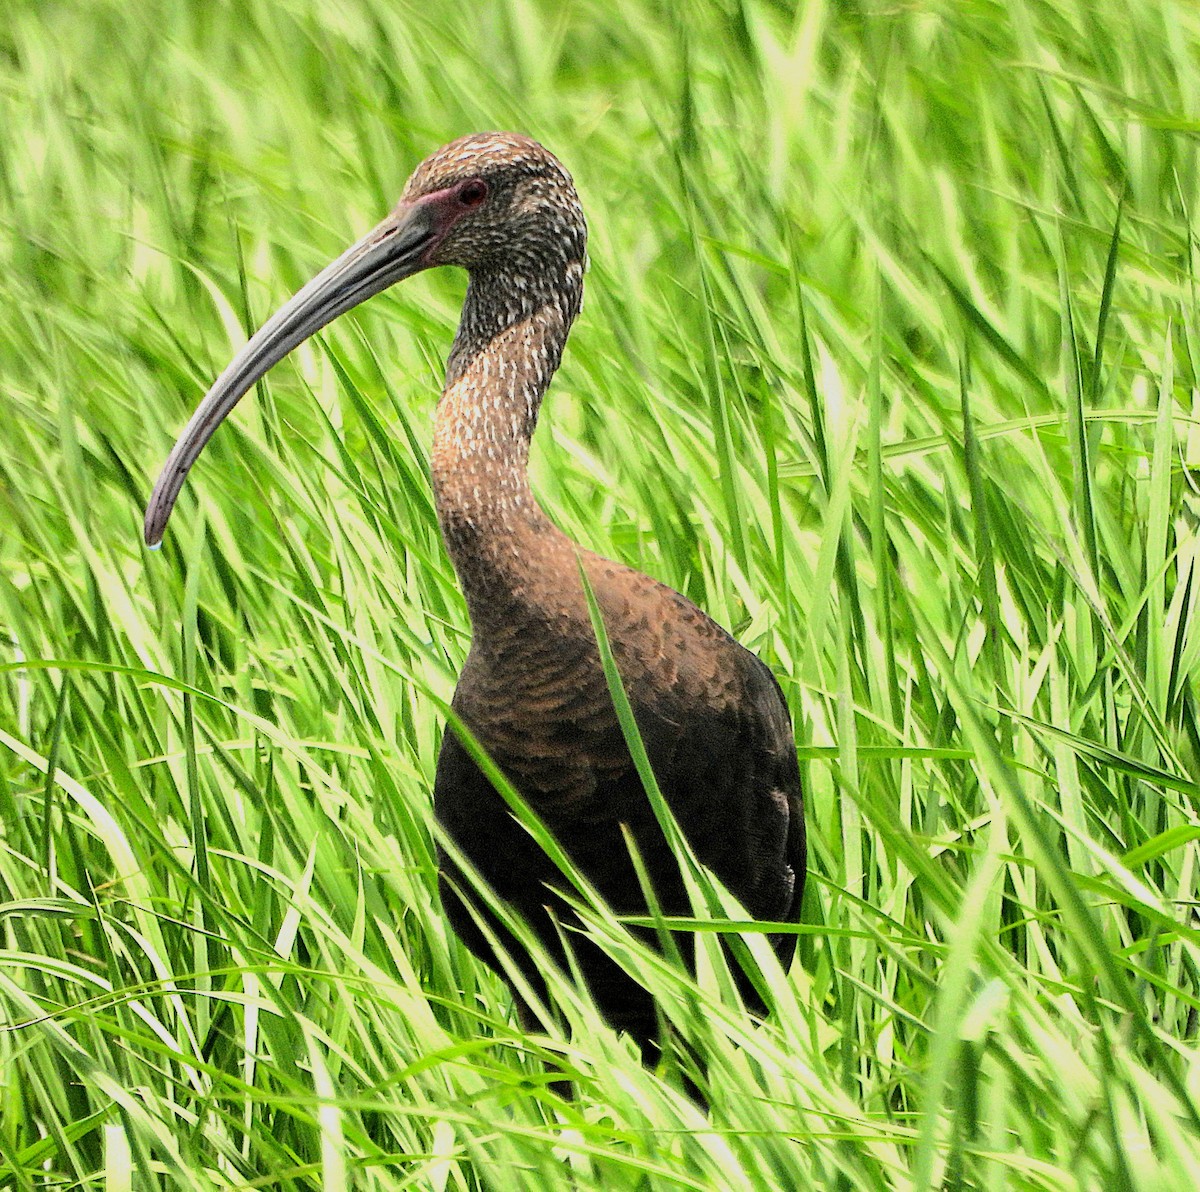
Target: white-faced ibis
point(533, 690)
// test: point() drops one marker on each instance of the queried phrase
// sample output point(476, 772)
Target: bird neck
point(509, 344)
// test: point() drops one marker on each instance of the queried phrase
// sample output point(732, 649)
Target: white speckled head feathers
point(525, 251)
point(531, 217)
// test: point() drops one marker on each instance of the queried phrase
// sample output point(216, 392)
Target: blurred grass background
point(888, 360)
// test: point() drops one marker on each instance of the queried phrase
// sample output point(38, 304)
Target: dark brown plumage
point(532, 690)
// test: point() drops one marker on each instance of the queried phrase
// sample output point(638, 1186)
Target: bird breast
point(534, 692)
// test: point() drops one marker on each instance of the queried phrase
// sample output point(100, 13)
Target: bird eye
point(473, 193)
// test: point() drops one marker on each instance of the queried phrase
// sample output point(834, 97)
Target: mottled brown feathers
point(532, 689)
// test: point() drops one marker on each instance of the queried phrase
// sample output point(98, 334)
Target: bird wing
point(719, 737)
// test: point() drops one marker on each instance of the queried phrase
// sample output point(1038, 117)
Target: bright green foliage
point(889, 361)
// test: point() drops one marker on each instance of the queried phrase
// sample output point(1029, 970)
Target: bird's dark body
point(532, 691)
point(718, 736)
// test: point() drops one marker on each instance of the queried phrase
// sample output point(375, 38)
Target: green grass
point(889, 361)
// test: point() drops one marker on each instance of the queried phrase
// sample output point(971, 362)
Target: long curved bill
point(393, 250)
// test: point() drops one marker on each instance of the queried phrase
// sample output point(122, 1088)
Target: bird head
point(495, 199)
point(489, 202)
